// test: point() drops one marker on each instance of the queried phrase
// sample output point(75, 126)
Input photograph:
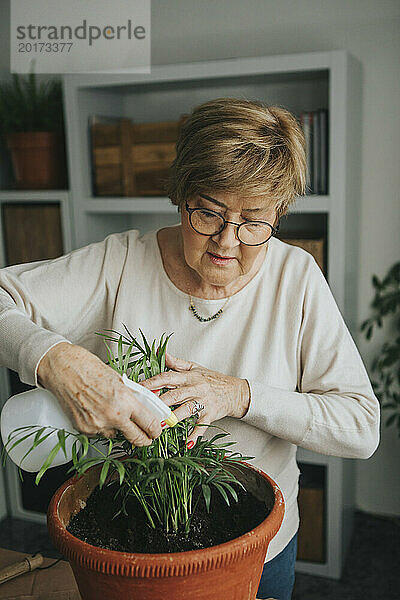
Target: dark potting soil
point(95, 525)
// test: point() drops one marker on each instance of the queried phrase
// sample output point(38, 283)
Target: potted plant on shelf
point(158, 521)
point(31, 120)
point(386, 364)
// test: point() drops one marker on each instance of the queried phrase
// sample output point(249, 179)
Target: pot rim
point(155, 565)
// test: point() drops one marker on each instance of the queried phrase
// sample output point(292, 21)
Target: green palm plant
point(386, 364)
point(26, 105)
point(167, 479)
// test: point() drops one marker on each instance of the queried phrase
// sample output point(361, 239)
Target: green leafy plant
point(167, 479)
point(386, 364)
point(26, 105)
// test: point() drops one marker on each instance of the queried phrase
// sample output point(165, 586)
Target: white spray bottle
point(35, 407)
point(41, 408)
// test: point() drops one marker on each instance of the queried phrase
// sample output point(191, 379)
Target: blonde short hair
point(241, 147)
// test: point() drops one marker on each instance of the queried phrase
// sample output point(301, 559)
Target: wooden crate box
point(316, 247)
point(31, 231)
point(132, 159)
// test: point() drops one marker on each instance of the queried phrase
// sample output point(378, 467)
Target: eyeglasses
point(249, 233)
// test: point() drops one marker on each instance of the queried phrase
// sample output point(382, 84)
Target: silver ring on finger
point(196, 407)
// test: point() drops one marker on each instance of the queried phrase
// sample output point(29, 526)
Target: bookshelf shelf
point(143, 205)
point(33, 195)
point(312, 204)
point(158, 205)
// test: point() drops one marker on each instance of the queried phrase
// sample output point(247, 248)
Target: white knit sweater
point(282, 332)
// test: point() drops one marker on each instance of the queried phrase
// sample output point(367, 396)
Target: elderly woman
point(259, 345)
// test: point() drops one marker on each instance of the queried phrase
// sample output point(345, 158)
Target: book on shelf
point(316, 141)
point(315, 129)
point(324, 148)
point(305, 120)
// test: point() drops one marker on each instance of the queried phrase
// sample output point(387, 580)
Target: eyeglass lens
point(210, 223)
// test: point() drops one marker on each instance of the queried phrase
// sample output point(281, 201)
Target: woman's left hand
point(190, 383)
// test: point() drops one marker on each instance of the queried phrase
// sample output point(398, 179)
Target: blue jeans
point(277, 579)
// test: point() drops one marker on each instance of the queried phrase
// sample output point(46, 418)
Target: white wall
point(193, 30)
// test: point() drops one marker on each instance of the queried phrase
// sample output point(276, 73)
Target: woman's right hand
point(94, 396)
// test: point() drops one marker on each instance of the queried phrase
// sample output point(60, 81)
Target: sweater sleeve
point(333, 410)
point(46, 302)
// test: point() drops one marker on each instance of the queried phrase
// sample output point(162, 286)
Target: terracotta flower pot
point(38, 159)
point(230, 570)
